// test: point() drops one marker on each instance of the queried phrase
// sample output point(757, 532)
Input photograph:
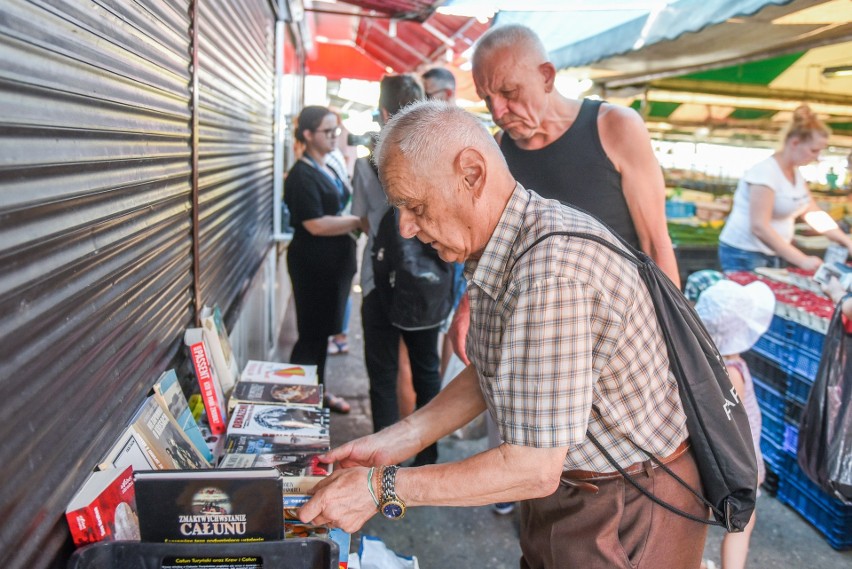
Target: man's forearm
point(503, 474)
point(665, 258)
point(454, 407)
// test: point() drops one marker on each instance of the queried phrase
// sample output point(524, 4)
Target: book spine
point(153, 460)
point(201, 364)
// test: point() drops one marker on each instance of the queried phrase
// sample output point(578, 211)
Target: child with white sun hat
point(736, 316)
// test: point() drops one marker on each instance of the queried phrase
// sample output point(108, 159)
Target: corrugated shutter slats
point(236, 75)
point(95, 285)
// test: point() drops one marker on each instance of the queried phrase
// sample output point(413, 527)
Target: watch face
point(393, 510)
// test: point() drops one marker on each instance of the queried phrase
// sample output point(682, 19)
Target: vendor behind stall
point(768, 199)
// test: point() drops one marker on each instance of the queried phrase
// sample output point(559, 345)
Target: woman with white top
point(769, 198)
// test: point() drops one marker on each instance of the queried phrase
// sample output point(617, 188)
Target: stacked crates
point(783, 365)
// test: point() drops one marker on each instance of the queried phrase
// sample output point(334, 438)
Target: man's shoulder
point(547, 216)
point(611, 116)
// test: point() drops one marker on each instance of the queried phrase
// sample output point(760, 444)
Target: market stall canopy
point(736, 67)
point(374, 37)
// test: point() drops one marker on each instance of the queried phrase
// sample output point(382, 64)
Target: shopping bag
point(825, 433)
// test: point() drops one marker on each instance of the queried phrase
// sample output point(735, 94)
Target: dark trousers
point(617, 528)
point(321, 286)
point(381, 356)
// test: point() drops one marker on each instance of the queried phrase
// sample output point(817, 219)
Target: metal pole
point(196, 265)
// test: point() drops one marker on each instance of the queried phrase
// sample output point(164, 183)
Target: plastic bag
point(374, 554)
point(825, 433)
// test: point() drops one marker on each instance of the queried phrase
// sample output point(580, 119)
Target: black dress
point(321, 268)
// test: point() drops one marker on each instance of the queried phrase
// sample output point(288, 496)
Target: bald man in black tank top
point(592, 155)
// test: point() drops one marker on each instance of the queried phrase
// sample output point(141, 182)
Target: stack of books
point(277, 420)
point(207, 469)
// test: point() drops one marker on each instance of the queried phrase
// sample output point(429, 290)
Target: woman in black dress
point(321, 256)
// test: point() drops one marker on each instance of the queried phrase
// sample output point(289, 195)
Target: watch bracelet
point(388, 476)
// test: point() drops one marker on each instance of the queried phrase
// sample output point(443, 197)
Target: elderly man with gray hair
point(563, 342)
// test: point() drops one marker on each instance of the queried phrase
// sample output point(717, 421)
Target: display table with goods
point(784, 364)
point(696, 246)
point(695, 219)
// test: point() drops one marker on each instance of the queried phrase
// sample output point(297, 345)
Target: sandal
point(337, 347)
point(336, 404)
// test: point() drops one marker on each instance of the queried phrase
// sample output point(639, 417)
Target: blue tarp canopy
point(685, 35)
point(627, 30)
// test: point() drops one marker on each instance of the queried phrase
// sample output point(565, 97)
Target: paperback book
point(208, 380)
point(222, 355)
point(210, 506)
point(104, 509)
point(130, 449)
point(275, 444)
point(293, 528)
point(276, 393)
point(294, 425)
point(170, 396)
point(301, 471)
point(153, 440)
point(279, 372)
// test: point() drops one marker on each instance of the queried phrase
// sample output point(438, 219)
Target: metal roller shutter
point(95, 241)
point(236, 81)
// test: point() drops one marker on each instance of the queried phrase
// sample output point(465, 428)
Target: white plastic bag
point(374, 554)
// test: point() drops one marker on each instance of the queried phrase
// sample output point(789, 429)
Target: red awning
point(400, 9)
point(338, 61)
point(415, 45)
point(400, 45)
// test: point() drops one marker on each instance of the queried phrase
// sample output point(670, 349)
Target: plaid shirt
point(569, 326)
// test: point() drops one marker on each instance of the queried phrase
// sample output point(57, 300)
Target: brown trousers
point(618, 527)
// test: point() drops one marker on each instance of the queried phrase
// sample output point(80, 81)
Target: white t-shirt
point(368, 200)
point(791, 200)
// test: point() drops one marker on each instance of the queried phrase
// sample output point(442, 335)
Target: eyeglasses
point(435, 92)
point(331, 132)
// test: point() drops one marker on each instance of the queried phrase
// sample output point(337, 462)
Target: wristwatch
point(391, 506)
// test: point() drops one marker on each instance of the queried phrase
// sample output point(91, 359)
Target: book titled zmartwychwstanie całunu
point(210, 506)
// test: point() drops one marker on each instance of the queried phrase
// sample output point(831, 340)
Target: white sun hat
point(736, 316)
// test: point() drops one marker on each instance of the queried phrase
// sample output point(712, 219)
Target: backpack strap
point(642, 261)
point(627, 251)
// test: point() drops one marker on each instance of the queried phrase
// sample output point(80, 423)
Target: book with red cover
point(104, 509)
point(208, 381)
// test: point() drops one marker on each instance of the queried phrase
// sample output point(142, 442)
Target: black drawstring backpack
point(716, 419)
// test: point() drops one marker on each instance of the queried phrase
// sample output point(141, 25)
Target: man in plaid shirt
point(563, 341)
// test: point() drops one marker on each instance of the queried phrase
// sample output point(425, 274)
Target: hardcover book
point(276, 393)
point(293, 425)
point(104, 509)
point(208, 381)
point(210, 506)
point(170, 396)
point(278, 372)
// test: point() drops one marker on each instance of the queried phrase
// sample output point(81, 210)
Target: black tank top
point(575, 170)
